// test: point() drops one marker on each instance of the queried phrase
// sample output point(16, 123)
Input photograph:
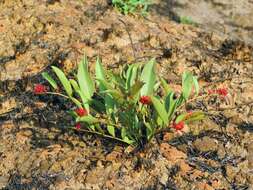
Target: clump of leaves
point(132, 6)
point(131, 105)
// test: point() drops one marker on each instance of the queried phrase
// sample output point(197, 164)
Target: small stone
point(250, 155)
point(171, 153)
point(231, 171)
point(168, 136)
point(3, 181)
point(44, 166)
point(206, 144)
point(203, 186)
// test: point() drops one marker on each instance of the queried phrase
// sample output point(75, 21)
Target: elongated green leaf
point(190, 117)
point(170, 104)
point(149, 78)
point(116, 94)
point(135, 89)
point(109, 104)
point(157, 85)
point(92, 127)
point(97, 106)
point(85, 100)
point(78, 104)
point(65, 82)
point(160, 109)
point(181, 117)
point(51, 81)
point(111, 130)
point(196, 85)
point(165, 86)
point(88, 119)
point(187, 83)
point(195, 116)
point(100, 74)
point(180, 100)
point(149, 130)
point(106, 85)
point(74, 84)
point(123, 132)
point(98, 127)
point(84, 79)
point(128, 141)
point(131, 75)
point(72, 113)
point(124, 136)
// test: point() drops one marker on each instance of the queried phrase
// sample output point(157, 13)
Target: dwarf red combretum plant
point(125, 104)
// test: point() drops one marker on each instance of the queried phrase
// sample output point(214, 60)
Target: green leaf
point(128, 141)
point(165, 86)
point(72, 113)
point(116, 94)
point(109, 104)
point(98, 106)
point(187, 83)
point(160, 109)
point(85, 82)
point(85, 100)
point(119, 82)
point(135, 89)
point(180, 100)
point(149, 130)
point(124, 136)
point(131, 75)
point(78, 104)
point(123, 132)
point(100, 74)
point(196, 84)
point(181, 117)
point(65, 82)
point(111, 130)
point(92, 127)
point(98, 127)
point(50, 80)
point(190, 117)
point(148, 77)
point(74, 84)
point(106, 85)
point(88, 119)
point(170, 104)
point(195, 116)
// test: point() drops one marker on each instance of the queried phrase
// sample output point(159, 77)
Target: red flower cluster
point(81, 112)
point(39, 89)
point(78, 126)
point(220, 91)
point(178, 126)
point(145, 100)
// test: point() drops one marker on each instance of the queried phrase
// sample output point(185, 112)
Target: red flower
point(219, 91)
point(222, 91)
point(78, 126)
point(39, 89)
point(145, 100)
point(178, 126)
point(211, 91)
point(81, 112)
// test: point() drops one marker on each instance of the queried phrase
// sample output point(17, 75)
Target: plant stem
point(101, 134)
point(194, 99)
point(58, 94)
